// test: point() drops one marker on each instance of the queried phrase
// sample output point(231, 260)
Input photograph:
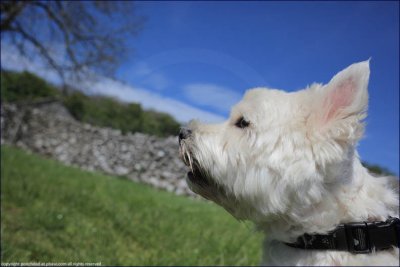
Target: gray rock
point(140, 157)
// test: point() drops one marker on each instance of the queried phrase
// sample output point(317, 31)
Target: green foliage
point(75, 103)
point(108, 112)
point(159, 123)
point(377, 169)
point(97, 110)
point(24, 86)
point(54, 213)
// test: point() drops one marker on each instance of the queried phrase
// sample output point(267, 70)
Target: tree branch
point(10, 9)
point(18, 28)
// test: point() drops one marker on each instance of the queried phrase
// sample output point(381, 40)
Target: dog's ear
point(346, 94)
point(340, 106)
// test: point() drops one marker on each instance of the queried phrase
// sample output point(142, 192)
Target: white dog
point(287, 162)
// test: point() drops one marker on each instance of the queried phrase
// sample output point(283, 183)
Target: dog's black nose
point(184, 133)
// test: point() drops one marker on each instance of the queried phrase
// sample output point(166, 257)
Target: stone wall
point(48, 129)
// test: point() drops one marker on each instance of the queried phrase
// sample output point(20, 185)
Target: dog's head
point(279, 151)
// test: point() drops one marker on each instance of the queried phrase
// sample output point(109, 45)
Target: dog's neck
point(360, 197)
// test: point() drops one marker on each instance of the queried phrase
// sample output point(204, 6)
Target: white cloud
point(157, 81)
point(10, 59)
point(145, 76)
point(141, 69)
point(179, 110)
point(212, 95)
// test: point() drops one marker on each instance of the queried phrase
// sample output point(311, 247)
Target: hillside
point(25, 87)
point(54, 213)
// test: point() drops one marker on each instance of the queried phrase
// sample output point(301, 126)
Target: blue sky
point(206, 54)
point(196, 59)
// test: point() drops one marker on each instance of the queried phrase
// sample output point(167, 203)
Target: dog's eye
point(242, 123)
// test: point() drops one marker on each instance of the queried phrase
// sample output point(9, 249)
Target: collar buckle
point(357, 237)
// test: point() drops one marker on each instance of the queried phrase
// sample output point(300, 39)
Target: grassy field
point(54, 213)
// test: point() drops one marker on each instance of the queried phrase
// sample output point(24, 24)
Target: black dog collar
point(359, 237)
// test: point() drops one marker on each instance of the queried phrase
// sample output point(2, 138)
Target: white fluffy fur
point(294, 169)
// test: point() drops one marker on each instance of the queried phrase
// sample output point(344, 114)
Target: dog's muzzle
point(196, 174)
point(184, 133)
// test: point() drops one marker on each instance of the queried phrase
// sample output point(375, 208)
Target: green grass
point(54, 213)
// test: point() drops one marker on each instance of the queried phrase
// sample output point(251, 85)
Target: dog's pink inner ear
point(346, 94)
point(339, 97)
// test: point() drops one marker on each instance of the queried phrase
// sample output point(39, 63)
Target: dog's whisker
point(190, 162)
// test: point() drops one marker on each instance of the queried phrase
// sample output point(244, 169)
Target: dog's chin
point(201, 183)
point(197, 177)
point(204, 185)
